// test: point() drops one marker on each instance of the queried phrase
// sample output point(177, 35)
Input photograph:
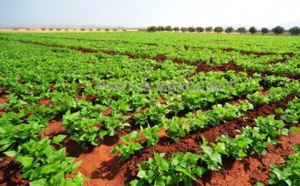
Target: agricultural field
point(115, 109)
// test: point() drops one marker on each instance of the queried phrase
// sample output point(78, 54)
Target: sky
point(143, 13)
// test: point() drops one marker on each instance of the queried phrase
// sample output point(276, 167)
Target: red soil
point(133, 56)
point(83, 50)
point(52, 87)
point(278, 61)
point(86, 97)
point(110, 52)
point(54, 128)
point(160, 58)
point(9, 172)
point(101, 166)
point(252, 169)
point(46, 102)
point(161, 101)
point(186, 47)
point(107, 112)
point(105, 168)
point(3, 98)
point(3, 89)
point(203, 67)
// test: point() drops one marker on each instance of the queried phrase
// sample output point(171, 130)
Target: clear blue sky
point(139, 13)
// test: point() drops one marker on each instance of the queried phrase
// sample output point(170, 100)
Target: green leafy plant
point(212, 156)
point(178, 168)
point(176, 127)
point(130, 146)
point(151, 134)
point(43, 164)
point(288, 173)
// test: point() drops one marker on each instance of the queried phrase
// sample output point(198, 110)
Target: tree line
point(242, 30)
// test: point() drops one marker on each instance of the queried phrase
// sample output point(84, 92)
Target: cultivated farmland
point(149, 109)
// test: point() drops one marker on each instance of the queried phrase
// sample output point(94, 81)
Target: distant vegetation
point(264, 31)
point(228, 30)
point(241, 30)
point(294, 31)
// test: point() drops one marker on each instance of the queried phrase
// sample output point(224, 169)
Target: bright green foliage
point(288, 173)
point(291, 114)
point(211, 156)
point(42, 164)
point(130, 145)
point(192, 75)
point(151, 134)
point(178, 168)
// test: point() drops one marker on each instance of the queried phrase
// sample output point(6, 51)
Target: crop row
point(186, 167)
point(179, 127)
point(207, 55)
point(271, 44)
point(278, 64)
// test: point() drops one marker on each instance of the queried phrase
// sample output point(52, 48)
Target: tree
point(228, 30)
point(278, 30)
point(208, 29)
point(168, 28)
point(183, 29)
point(151, 29)
point(241, 30)
point(218, 29)
point(176, 29)
point(199, 29)
point(160, 28)
point(264, 30)
point(294, 31)
point(252, 30)
point(191, 29)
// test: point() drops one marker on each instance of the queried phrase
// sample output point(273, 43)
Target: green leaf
point(103, 133)
point(61, 153)
point(294, 129)
point(40, 182)
point(134, 182)
point(26, 161)
point(134, 135)
point(241, 154)
point(57, 139)
point(11, 153)
point(142, 174)
point(48, 169)
point(192, 157)
point(207, 150)
point(217, 157)
point(160, 181)
point(77, 164)
point(79, 179)
point(57, 179)
point(136, 146)
point(199, 171)
point(187, 171)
